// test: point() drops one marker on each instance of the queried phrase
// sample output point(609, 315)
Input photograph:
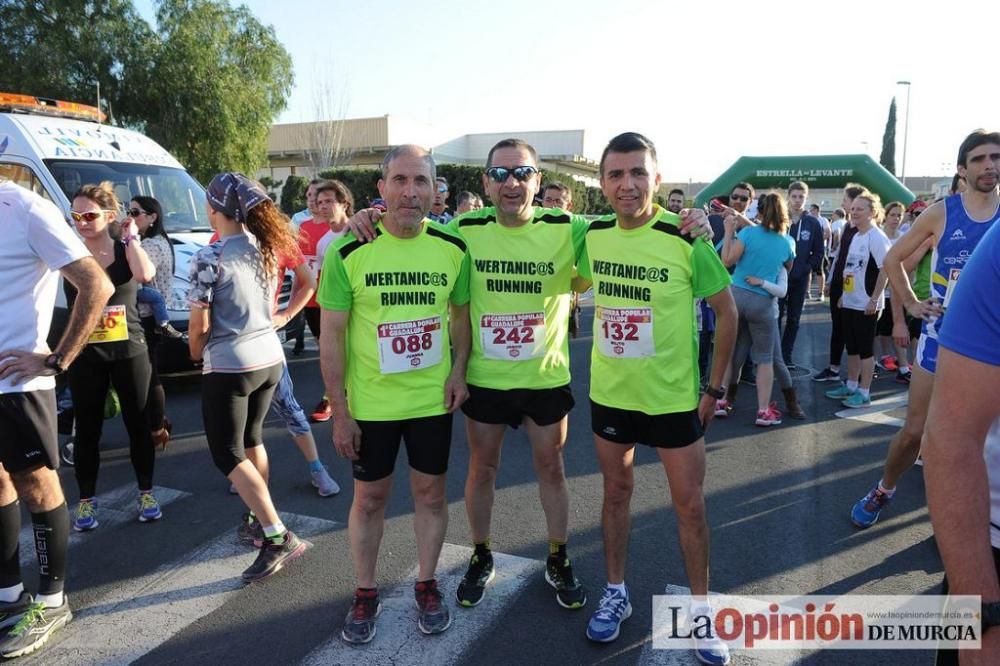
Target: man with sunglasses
point(37, 244)
point(438, 211)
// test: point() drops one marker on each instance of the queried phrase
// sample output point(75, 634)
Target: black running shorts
point(428, 444)
point(512, 406)
point(28, 430)
point(661, 431)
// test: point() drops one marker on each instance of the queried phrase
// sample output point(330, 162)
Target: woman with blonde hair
point(231, 332)
point(115, 355)
point(862, 300)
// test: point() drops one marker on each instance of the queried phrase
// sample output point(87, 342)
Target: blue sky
point(707, 81)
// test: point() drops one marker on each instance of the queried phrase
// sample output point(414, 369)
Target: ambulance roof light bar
point(45, 106)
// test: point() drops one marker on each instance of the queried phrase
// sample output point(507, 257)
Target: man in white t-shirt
point(37, 243)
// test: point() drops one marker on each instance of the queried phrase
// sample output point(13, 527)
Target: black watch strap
point(54, 361)
point(991, 614)
point(717, 393)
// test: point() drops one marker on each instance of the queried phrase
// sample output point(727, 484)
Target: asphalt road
point(778, 502)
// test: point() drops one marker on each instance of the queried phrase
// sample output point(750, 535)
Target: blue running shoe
point(85, 516)
point(711, 651)
point(149, 508)
point(857, 401)
point(866, 512)
point(606, 621)
point(841, 392)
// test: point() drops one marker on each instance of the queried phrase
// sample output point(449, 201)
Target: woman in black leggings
point(148, 216)
point(232, 290)
point(114, 356)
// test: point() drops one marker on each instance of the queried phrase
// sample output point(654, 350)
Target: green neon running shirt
point(645, 353)
point(397, 291)
point(520, 287)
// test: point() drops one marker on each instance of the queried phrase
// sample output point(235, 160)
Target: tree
point(888, 156)
point(207, 84)
point(293, 195)
point(64, 48)
point(219, 80)
point(324, 138)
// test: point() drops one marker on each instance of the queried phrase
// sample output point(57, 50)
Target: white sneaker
point(323, 483)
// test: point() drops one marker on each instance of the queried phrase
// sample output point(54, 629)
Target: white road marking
point(115, 507)
point(875, 413)
point(146, 611)
point(397, 634)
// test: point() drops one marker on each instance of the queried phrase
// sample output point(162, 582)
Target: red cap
point(916, 206)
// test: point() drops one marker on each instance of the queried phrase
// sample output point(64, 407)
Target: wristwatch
point(717, 393)
point(991, 614)
point(54, 362)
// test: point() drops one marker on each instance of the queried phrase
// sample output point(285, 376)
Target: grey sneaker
point(434, 614)
point(273, 557)
point(359, 625)
point(323, 483)
point(34, 628)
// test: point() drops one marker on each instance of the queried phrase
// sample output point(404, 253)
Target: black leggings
point(859, 332)
point(312, 316)
point(837, 333)
point(156, 403)
point(88, 382)
point(233, 406)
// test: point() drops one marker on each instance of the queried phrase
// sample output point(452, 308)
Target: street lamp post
point(906, 129)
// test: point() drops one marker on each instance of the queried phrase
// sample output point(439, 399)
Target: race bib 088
point(513, 337)
point(404, 346)
point(624, 332)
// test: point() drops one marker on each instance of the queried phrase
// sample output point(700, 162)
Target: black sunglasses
point(136, 212)
point(501, 174)
point(739, 197)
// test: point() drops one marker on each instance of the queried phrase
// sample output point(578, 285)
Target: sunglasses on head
point(136, 212)
point(520, 173)
point(89, 216)
point(739, 197)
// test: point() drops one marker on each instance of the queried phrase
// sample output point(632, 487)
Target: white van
point(53, 147)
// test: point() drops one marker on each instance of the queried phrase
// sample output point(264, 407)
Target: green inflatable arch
point(817, 171)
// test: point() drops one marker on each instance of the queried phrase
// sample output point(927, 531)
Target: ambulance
point(53, 147)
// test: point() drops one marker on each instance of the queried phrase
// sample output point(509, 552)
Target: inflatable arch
point(817, 171)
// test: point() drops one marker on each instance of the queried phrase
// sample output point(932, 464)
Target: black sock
point(51, 529)
point(10, 554)
point(483, 549)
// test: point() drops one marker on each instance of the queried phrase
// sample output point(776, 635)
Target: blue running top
point(961, 236)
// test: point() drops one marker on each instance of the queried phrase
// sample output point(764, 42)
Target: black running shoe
point(473, 586)
point(250, 532)
point(434, 614)
point(272, 557)
point(359, 625)
point(36, 625)
point(559, 574)
point(11, 612)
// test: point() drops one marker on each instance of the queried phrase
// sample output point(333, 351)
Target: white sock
point(887, 491)
point(904, 369)
point(835, 368)
point(865, 393)
point(852, 384)
point(50, 600)
point(274, 531)
point(619, 587)
point(9, 595)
